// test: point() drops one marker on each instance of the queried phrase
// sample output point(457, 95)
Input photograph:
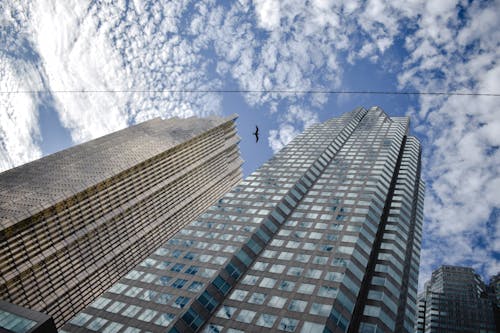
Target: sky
point(71, 71)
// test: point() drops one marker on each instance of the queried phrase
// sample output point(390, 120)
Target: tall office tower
point(323, 237)
point(455, 300)
point(74, 222)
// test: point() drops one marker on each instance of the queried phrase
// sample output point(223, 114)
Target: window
point(195, 286)
point(286, 285)
point(181, 302)
point(164, 319)
point(288, 324)
point(97, 324)
point(179, 283)
point(163, 298)
point(192, 270)
point(131, 311)
point(177, 267)
point(239, 295)
point(277, 302)
point(297, 305)
point(277, 269)
point(116, 307)
point(306, 288)
point(245, 316)
point(267, 283)
point(325, 291)
point(163, 280)
point(147, 315)
point(257, 298)
point(250, 279)
point(295, 271)
point(266, 320)
point(320, 309)
point(226, 312)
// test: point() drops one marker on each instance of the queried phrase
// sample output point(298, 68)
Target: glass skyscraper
point(73, 223)
point(324, 237)
point(455, 300)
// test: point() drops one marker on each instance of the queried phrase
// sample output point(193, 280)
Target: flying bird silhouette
point(256, 133)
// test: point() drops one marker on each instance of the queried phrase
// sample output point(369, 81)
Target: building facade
point(324, 237)
point(73, 223)
point(455, 300)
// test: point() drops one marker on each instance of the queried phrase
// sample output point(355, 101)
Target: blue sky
point(51, 46)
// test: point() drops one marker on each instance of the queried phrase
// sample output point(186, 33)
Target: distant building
point(455, 300)
point(324, 237)
point(73, 223)
point(494, 292)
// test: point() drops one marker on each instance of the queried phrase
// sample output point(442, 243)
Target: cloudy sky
point(64, 57)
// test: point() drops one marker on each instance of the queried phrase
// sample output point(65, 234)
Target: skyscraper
point(73, 222)
point(455, 300)
point(323, 237)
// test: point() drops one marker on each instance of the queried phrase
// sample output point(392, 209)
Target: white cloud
point(268, 13)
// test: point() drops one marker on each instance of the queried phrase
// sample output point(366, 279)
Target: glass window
point(80, 319)
point(306, 288)
point(260, 266)
point(295, 271)
point(245, 316)
point(164, 319)
point(133, 291)
point(326, 291)
point(320, 309)
point(195, 286)
point(239, 295)
point(131, 311)
point(269, 254)
point(177, 267)
point(147, 315)
point(226, 312)
point(163, 280)
point(266, 320)
point(277, 302)
point(192, 270)
point(163, 298)
point(288, 324)
point(181, 302)
point(100, 303)
point(257, 298)
point(97, 324)
point(207, 272)
point(313, 273)
point(286, 285)
point(250, 279)
point(297, 305)
point(309, 327)
point(267, 283)
point(115, 307)
point(112, 328)
point(277, 269)
point(179, 283)
point(285, 256)
point(304, 258)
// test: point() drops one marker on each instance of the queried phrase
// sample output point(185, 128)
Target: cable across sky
point(249, 91)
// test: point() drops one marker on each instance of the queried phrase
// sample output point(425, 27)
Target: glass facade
point(455, 300)
point(73, 223)
point(324, 237)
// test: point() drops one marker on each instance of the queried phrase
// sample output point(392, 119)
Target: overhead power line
point(231, 91)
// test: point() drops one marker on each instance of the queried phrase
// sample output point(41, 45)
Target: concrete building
point(324, 237)
point(455, 300)
point(73, 223)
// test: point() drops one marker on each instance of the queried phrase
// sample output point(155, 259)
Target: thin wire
point(229, 91)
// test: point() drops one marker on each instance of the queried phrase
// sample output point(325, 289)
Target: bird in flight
point(256, 133)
